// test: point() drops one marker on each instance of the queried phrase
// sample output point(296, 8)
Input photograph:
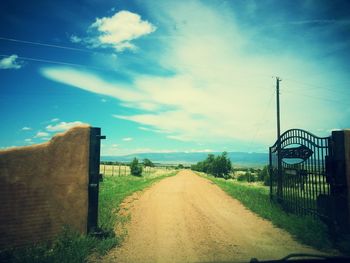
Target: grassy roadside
point(256, 198)
point(73, 247)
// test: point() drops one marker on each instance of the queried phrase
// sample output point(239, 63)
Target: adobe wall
point(44, 187)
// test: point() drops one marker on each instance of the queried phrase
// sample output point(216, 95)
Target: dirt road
point(186, 218)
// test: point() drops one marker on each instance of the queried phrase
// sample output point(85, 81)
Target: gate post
point(340, 183)
point(94, 178)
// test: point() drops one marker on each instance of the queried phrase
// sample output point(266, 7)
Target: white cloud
point(199, 151)
point(115, 145)
point(25, 128)
point(219, 90)
point(147, 129)
point(144, 128)
point(120, 29)
point(75, 39)
point(10, 62)
point(62, 126)
point(117, 151)
point(55, 120)
point(90, 82)
point(28, 140)
point(41, 134)
point(178, 138)
point(8, 147)
point(127, 139)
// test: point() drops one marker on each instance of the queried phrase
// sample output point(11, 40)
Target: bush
point(147, 162)
point(180, 166)
point(135, 168)
point(264, 175)
point(219, 166)
point(247, 177)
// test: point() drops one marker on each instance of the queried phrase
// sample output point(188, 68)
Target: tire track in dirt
point(186, 218)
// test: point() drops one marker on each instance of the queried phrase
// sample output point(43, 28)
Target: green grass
point(114, 190)
point(306, 229)
point(70, 246)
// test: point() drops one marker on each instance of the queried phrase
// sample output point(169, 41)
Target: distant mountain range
point(240, 159)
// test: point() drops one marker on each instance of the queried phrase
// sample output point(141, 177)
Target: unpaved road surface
point(186, 218)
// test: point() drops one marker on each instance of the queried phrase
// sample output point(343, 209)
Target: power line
point(58, 62)
point(46, 45)
point(263, 117)
point(315, 97)
point(312, 85)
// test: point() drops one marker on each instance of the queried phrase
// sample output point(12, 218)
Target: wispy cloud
point(41, 134)
point(29, 140)
point(321, 22)
point(221, 87)
point(10, 62)
point(54, 120)
point(108, 150)
point(62, 126)
point(75, 39)
point(127, 139)
point(25, 128)
point(90, 82)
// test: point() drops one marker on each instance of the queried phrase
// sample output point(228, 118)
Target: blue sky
point(162, 76)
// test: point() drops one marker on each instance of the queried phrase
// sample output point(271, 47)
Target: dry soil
point(186, 218)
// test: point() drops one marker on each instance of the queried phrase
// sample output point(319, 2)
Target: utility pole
point(279, 159)
point(278, 106)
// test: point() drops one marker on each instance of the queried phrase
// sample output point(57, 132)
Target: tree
point(147, 162)
point(219, 166)
point(222, 166)
point(180, 166)
point(135, 167)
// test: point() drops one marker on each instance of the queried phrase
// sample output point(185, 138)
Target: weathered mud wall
point(44, 187)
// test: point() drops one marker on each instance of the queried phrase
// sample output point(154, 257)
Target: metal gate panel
point(300, 184)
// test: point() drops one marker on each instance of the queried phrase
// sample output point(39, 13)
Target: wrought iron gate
point(298, 176)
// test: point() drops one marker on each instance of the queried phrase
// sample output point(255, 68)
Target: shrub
point(248, 177)
point(180, 166)
point(219, 166)
point(147, 162)
point(135, 168)
point(264, 175)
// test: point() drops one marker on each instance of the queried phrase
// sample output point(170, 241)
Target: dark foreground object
point(306, 258)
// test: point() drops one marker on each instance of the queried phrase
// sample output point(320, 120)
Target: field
point(124, 170)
